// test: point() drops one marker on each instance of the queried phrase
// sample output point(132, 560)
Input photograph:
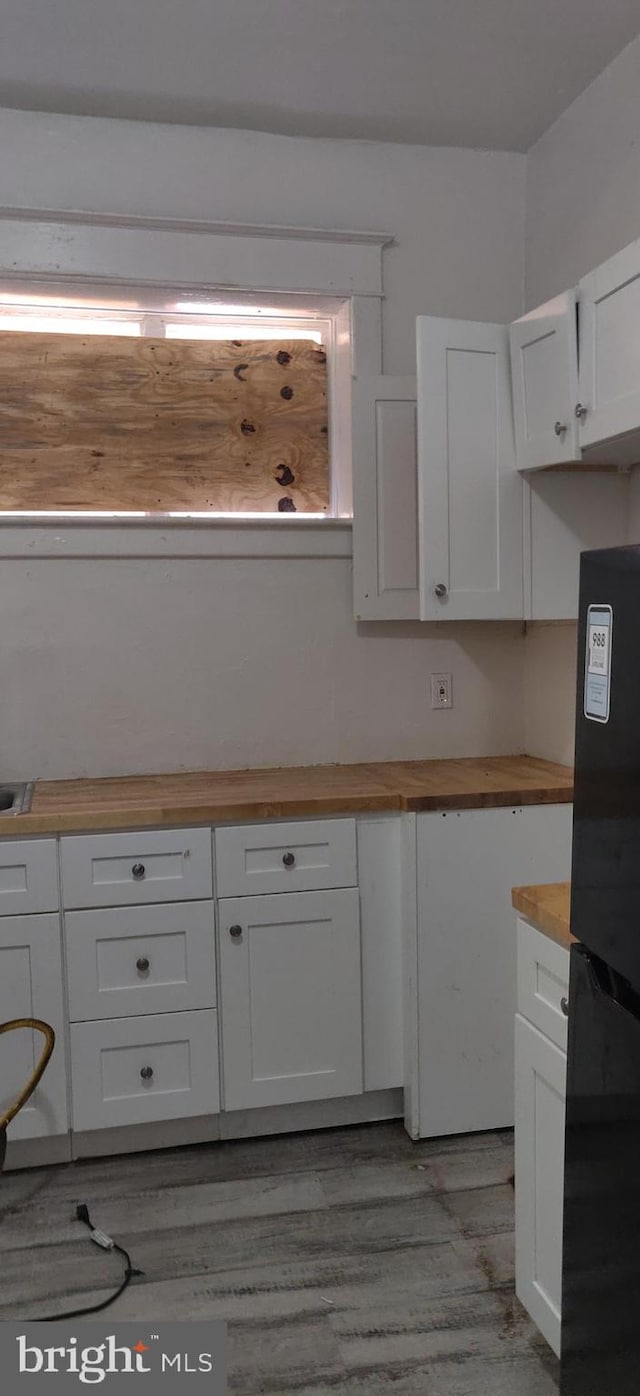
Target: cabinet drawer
point(166, 865)
point(28, 876)
point(140, 959)
point(301, 857)
point(132, 1070)
point(543, 983)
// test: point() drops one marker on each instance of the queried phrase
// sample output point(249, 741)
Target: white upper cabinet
point(385, 523)
point(544, 369)
point(455, 518)
point(609, 374)
point(470, 497)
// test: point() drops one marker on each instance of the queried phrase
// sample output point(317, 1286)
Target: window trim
point(75, 537)
point(249, 260)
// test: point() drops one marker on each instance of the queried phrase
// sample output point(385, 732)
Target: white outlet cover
point(441, 691)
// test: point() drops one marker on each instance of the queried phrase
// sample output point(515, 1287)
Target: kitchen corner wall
point(140, 664)
point(583, 204)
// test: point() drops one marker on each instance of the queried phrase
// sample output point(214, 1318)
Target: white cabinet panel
point(129, 1071)
point(544, 370)
point(31, 987)
point(570, 513)
point(467, 863)
point(385, 482)
point(540, 1116)
point(163, 865)
point(470, 506)
point(543, 983)
point(380, 871)
point(305, 856)
point(290, 996)
point(28, 876)
point(142, 959)
point(609, 375)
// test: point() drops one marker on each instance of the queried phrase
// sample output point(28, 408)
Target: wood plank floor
point(347, 1260)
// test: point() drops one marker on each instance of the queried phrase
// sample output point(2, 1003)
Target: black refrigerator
point(601, 1243)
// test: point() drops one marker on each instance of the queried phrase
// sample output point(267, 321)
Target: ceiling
point(482, 73)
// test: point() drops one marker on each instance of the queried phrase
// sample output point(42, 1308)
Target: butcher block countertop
point(217, 797)
point(547, 907)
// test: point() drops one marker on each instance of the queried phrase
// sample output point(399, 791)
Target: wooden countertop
point(547, 906)
point(216, 797)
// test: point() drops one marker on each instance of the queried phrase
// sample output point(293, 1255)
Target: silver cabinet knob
point(289, 859)
point(560, 428)
point(235, 932)
point(146, 1073)
point(143, 964)
point(581, 410)
point(564, 1005)
point(138, 871)
point(441, 590)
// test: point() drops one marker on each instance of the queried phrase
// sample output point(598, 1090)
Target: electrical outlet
point(441, 691)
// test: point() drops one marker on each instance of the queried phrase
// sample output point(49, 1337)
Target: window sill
point(167, 536)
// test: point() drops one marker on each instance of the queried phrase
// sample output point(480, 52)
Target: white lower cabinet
point(31, 987)
point(130, 1071)
point(541, 1070)
point(459, 1018)
point(540, 1093)
point(290, 998)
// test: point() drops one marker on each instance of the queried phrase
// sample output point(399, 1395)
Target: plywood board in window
point(111, 423)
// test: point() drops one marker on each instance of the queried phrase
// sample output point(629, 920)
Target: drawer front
point(543, 983)
point(124, 961)
point(302, 857)
point(165, 865)
point(130, 1071)
point(28, 876)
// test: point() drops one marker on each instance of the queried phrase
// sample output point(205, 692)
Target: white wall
point(583, 181)
point(141, 666)
point(457, 215)
point(549, 690)
point(135, 665)
point(583, 204)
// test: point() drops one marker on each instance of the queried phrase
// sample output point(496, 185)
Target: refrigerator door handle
point(604, 980)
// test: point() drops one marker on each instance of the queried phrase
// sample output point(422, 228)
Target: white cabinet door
point(385, 485)
point(290, 997)
point(544, 371)
point(540, 1086)
point(470, 496)
point(609, 374)
point(31, 987)
point(467, 863)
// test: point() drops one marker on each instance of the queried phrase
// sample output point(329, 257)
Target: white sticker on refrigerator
point(597, 678)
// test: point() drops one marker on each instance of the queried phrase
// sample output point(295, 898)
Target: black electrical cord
point(101, 1239)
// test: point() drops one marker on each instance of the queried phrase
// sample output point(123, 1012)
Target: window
point(123, 405)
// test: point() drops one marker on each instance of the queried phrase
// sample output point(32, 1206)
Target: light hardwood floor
point(347, 1260)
